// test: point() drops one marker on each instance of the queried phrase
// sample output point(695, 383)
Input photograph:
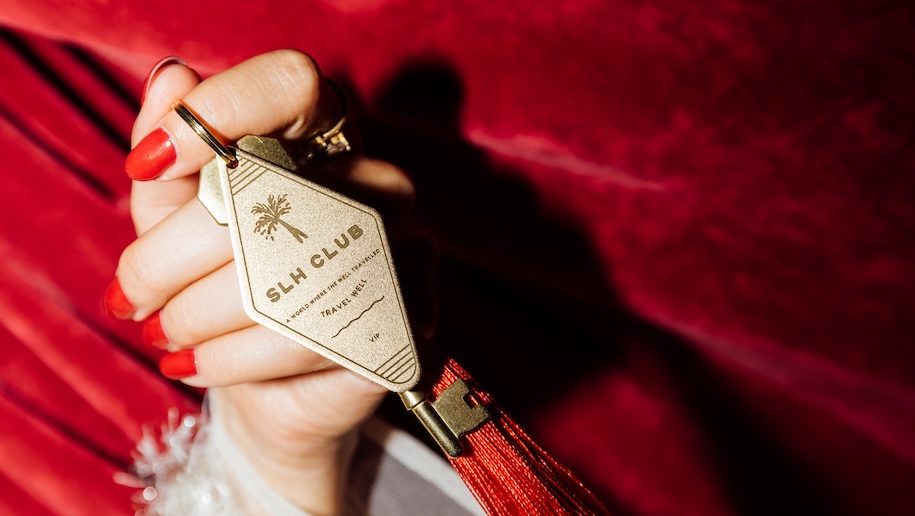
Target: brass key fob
point(313, 265)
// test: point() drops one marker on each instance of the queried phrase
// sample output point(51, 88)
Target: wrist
point(314, 482)
point(309, 473)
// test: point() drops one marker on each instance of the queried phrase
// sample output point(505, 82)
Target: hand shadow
point(526, 302)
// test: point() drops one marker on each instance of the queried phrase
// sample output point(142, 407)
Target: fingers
point(376, 183)
point(326, 402)
point(184, 247)
point(207, 308)
point(273, 92)
point(169, 80)
point(249, 355)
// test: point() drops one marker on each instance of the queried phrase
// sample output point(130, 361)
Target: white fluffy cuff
point(194, 469)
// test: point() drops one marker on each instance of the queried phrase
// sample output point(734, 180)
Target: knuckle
point(135, 206)
point(137, 273)
point(225, 359)
point(211, 365)
point(389, 178)
point(297, 64)
point(298, 77)
point(303, 360)
point(180, 317)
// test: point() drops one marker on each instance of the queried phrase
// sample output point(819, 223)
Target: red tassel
point(506, 470)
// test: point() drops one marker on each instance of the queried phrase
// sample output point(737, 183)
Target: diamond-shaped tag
point(315, 266)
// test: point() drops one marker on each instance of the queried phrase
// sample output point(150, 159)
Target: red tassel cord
point(506, 470)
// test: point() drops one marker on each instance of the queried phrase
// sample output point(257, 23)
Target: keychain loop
point(198, 126)
point(328, 142)
point(342, 113)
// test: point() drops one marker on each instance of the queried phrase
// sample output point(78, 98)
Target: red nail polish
point(151, 156)
point(116, 303)
point(158, 67)
point(153, 334)
point(178, 365)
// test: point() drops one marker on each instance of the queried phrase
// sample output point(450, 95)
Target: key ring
point(325, 142)
point(328, 142)
point(198, 126)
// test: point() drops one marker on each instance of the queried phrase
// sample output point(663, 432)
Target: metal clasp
point(449, 417)
point(204, 133)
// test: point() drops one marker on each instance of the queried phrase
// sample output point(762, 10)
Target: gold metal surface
point(205, 134)
point(449, 417)
point(432, 421)
point(327, 142)
point(268, 149)
point(209, 190)
point(315, 266)
point(453, 407)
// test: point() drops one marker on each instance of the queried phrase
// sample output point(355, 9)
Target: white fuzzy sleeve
point(193, 468)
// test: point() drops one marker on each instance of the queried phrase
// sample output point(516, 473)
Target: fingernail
point(116, 303)
point(179, 364)
point(158, 67)
point(153, 334)
point(151, 156)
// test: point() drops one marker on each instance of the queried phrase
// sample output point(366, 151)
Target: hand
point(290, 410)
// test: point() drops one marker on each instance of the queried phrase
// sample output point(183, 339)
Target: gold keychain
point(315, 266)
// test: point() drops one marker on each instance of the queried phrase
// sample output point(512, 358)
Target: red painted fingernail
point(151, 156)
point(158, 67)
point(116, 303)
point(153, 334)
point(179, 364)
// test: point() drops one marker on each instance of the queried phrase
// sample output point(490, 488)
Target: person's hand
point(290, 410)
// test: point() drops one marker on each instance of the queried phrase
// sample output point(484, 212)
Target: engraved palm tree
point(271, 217)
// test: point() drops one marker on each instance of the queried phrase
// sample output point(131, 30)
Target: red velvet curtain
point(677, 238)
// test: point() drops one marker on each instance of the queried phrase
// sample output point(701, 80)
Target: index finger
point(151, 201)
point(276, 92)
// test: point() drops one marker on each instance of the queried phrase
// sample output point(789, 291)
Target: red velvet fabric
point(677, 237)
